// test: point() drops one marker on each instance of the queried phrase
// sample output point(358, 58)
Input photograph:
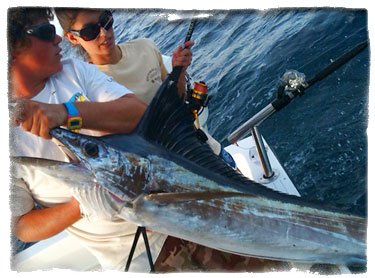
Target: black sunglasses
point(92, 30)
point(45, 32)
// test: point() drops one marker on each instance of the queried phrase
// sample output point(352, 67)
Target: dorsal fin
point(169, 123)
point(168, 90)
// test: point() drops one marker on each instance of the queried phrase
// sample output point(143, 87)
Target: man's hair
point(68, 16)
point(18, 19)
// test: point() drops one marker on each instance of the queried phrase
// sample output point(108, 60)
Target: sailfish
point(169, 181)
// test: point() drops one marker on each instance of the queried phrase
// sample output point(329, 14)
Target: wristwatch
point(74, 119)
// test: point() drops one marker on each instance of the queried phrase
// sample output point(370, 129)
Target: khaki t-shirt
point(140, 68)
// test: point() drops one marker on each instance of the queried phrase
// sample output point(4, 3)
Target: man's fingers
point(188, 44)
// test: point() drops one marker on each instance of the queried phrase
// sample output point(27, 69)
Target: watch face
point(75, 123)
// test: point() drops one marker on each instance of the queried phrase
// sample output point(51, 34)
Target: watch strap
point(74, 119)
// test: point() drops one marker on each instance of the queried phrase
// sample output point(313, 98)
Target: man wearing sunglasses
point(44, 90)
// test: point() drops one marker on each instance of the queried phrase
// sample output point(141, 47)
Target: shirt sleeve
point(21, 200)
point(99, 86)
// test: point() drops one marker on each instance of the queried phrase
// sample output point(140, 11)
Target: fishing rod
point(191, 29)
point(177, 70)
point(197, 97)
point(335, 47)
point(293, 84)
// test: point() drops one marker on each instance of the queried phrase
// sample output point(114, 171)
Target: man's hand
point(182, 56)
point(37, 117)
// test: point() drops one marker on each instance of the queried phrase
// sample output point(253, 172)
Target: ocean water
point(320, 138)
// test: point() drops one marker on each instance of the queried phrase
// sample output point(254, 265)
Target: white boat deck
point(245, 154)
point(58, 252)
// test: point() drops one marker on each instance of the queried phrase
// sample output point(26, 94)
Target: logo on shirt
point(78, 97)
point(153, 76)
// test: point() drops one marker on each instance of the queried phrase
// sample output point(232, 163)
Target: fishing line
point(329, 50)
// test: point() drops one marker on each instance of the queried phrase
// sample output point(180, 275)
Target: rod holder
point(262, 153)
point(256, 120)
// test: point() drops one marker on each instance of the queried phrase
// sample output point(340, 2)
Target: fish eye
point(90, 149)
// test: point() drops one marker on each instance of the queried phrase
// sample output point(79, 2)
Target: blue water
point(320, 138)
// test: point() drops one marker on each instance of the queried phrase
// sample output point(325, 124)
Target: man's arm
point(118, 116)
point(40, 224)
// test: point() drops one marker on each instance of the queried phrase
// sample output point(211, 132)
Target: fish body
point(172, 195)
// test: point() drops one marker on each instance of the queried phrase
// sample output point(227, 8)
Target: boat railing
point(262, 153)
point(292, 84)
point(252, 127)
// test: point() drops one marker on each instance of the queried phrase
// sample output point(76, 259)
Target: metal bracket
point(145, 239)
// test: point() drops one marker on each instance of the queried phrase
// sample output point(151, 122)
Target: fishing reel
point(197, 99)
point(293, 83)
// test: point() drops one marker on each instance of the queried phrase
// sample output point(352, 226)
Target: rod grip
point(191, 29)
point(177, 70)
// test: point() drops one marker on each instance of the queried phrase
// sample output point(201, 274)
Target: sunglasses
point(92, 30)
point(45, 32)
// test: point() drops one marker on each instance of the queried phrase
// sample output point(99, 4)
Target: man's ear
point(17, 51)
point(71, 38)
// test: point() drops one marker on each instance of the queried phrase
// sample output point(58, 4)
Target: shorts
point(179, 255)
